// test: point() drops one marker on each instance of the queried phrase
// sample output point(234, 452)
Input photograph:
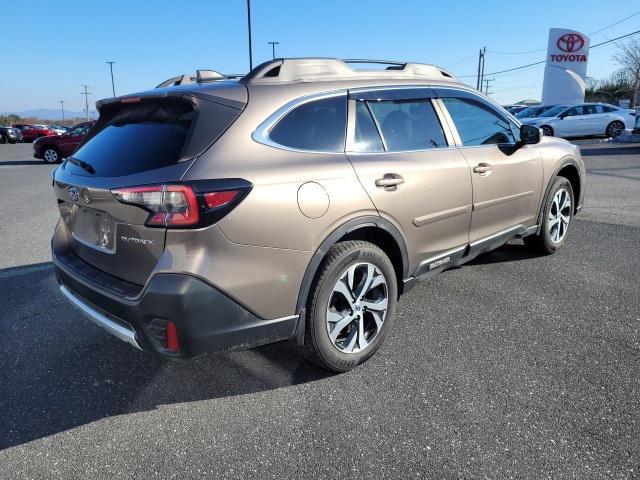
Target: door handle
point(389, 180)
point(482, 168)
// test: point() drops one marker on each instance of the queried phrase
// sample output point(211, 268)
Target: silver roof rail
point(313, 69)
point(201, 76)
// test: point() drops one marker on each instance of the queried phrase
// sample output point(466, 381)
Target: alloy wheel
point(51, 155)
point(357, 307)
point(615, 129)
point(559, 215)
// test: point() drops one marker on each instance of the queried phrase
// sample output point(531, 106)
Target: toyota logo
point(570, 42)
point(74, 194)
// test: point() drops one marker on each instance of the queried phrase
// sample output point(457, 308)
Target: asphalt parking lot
point(514, 366)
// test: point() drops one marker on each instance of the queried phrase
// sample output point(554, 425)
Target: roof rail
point(201, 76)
point(312, 69)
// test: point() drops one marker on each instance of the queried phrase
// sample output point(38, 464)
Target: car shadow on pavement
point(17, 163)
point(59, 371)
point(511, 252)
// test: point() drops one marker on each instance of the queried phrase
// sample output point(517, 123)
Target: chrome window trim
point(261, 134)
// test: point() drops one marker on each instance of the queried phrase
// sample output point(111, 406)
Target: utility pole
point(249, 26)
point(113, 86)
point(86, 99)
point(61, 102)
point(273, 48)
point(487, 81)
point(480, 68)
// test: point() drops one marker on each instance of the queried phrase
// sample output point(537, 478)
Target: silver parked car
point(583, 120)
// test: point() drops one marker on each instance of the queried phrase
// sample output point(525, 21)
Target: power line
point(616, 23)
point(543, 61)
point(590, 34)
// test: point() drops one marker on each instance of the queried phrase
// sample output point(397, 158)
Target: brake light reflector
point(170, 205)
point(172, 337)
point(217, 199)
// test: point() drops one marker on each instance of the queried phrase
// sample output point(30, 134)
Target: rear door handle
point(482, 168)
point(389, 180)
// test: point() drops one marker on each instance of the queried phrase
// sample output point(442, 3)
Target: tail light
point(185, 206)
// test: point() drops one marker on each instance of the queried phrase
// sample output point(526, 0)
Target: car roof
point(299, 76)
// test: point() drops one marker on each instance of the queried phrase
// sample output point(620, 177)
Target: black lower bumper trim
point(206, 319)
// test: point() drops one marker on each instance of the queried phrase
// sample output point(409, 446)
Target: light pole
point(273, 48)
point(62, 107)
point(113, 86)
point(249, 26)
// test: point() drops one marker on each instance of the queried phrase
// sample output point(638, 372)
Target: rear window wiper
point(83, 165)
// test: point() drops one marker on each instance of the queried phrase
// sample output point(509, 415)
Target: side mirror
point(561, 116)
point(529, 135)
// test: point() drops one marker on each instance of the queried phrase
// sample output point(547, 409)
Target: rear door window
point(318, 125)
point(408, 125)
point(478, 123)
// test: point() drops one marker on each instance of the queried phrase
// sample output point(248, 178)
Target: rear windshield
point(136, 139)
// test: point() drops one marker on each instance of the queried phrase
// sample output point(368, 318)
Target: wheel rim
point(357, 308)
point(547, 131)
point(615, 129)
point(559, 216)
point(51, 155)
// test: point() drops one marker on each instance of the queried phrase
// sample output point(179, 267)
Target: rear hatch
point(146, 142)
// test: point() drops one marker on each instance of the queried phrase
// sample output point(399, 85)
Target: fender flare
point(554, 175)
point(333, 237)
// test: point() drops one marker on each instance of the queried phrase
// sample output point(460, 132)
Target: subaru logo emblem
point(74, 194)
point(86, 197)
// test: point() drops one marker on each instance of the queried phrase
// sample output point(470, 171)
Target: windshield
point(555, 111)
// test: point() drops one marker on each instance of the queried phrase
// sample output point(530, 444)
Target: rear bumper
point(205, 318)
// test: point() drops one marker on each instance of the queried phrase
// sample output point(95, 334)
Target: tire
point(361, 326)
point(51, 155)
point(547, 131)
point(615, 129)
point(555, 228)
point(3, 139)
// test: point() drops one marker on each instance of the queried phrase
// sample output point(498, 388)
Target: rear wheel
point(547, 130)
point(3, 139)
point(51, 155)
point(615, 129)
point(351, 306)
point(556, 219)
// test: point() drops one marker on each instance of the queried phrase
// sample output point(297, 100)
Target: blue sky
point(49, 51)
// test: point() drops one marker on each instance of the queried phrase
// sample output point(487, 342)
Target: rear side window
point(136, 139)
point(318, 125)
point(367, 138)
point(408, 124)
point(477, 123)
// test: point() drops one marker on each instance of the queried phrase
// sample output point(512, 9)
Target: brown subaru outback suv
point(297, 202)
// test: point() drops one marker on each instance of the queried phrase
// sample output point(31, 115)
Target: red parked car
point(52, 149)
point(31, 132)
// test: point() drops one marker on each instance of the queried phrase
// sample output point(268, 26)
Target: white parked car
point(585, 119)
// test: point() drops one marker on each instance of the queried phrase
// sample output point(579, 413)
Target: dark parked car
point(10, 135)
point(31, 132)
point(53, 149)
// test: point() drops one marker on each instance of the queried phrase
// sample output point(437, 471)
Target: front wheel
point(547, 131)
point(3, 139)
point(556, 218)
point(351, 306)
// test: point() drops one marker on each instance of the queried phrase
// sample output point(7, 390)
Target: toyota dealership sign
point(566, 69)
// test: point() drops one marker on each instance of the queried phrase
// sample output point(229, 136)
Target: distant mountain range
point(46, 113)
